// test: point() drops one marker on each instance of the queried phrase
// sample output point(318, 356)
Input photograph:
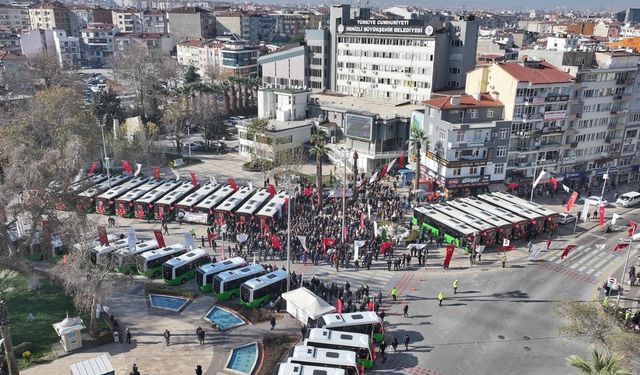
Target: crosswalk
point(377, 279)
point(585, 263)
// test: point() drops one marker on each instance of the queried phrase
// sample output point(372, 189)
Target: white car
point(565, 218)
point(594, 200)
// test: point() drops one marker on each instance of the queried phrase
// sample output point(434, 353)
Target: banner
point(374, 177)
point(535, 251)
point(585, 210)
point(303, 242)
point(601, 216)
point(131, 238)
point(176, 174)
point(633, 226)
point(233, 184)
point(566, 188)
point(356, 249)
point(127, 166)
point(159, 238)
point(620, 245)
point(271, 189)
point(393, 162)
point(537, 181)
point(480, 249)
point(361, 219)
point(102, 235)
point(93, 168)
point(614, 219)
point(213, 180)
point(566, 251)
point(572, 200)
point(449, 255)
point(188, 241)
point(275, 242)
point(156, 172)
point(383, 170)
point(194, 179)
point(195, 217)
point(138, 168)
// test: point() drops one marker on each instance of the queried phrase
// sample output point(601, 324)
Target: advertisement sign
point(556, 98)
point(555, 115)
point(467, 181)
point(417, 120)
point(386, 26)
point(195, 217)
point(359, 126)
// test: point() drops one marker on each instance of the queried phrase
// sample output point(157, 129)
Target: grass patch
point(276, 347)
point(155, 288)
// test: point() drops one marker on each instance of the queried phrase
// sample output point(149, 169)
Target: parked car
point(594, 200)
point(565, 218)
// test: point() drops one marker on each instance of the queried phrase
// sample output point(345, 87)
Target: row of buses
point(149, 198)
point(485, 220)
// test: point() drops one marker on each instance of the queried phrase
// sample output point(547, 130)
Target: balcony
point(569, 160)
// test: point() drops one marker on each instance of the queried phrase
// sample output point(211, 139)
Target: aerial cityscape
point(426, 188)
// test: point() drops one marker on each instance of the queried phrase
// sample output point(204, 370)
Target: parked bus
point(150, 263)
point(333, 358)
point(503, 227)
point(106, 202)
point(487, 231)
point(125, 204)
point(251, 207)
point(126, 261)
point(206, 272)
point(188, 204)
point(144, 205)
point(66, 200)
point(86, 201)
point(296, 369)
point(438, 224)
point(226, 285)
point(367, 322)
point(536, 220)
point(225, 209)
point(99, 252)
point(261, 290)
point(519, 223)
point(550, 216)
point(355, 342)
point(165, 207)
point(274, 208)
point(180, 269)
point(206, 208)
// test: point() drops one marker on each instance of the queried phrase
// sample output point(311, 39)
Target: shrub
point(26, 356)
point(22, 348)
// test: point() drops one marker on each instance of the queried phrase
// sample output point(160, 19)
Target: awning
point(93, 366)
point(306, 300)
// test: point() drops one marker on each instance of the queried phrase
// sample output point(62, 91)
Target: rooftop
point(384, 109)
point(539, 73)
point(466, 101)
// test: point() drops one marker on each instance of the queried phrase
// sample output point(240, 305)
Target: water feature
point(223, 318)
point(171, 303)
point(243, 359)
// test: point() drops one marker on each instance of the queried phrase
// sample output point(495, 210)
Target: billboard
point(417, 120)
point(357, 126)
point(385, 26)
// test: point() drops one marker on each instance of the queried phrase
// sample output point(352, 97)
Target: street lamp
point(288, 185)
point(344, 153)
point(189, 136)
point(535, 171)
point(101, 125)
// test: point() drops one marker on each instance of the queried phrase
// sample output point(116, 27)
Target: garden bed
point(154, 288)
point(275, 348)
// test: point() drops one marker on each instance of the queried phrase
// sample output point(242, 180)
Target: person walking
point(273, 322)
point(198, 370)
point(405, 310)
point(167, 337)
point(382, 315)
point(303, 330)
point(394, 293)
point(440, 298)
point(504, 260)
point(383, 347)
point(127, 335)
point(456, 284)
point(166, 228)
point(406, 342)
point(135, 370)
point(394, 344)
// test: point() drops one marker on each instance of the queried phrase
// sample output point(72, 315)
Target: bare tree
point(6, 276)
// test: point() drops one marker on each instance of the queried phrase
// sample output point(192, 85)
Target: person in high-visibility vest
point(456, 284)
point(605, 302)
point(627, 315)
point(440, 298)
point(394, 293)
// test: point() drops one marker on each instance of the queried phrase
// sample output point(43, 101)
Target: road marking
point(581, 269)
point(595, 235)
point(600, 263)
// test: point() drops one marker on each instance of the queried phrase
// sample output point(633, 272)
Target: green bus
point(355, 342)
point(100, 253)
point(452, 230)
point(149, 263)
point(259, 291)
point(206, 272)
point(367, 322)
point(180, 269)
point(125, 258)
point(226, 285)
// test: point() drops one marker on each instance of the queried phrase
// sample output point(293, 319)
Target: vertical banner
point(601, 216)
point(194, 179)
point(356, 249)
point(303, 242)
point(131, 238)
point(449, 255)
point(188, 241)
point(585, 210)
point(159, 238)
point(535, 251)
point(102, 235)
point(156, 172)
point(566, 251)
point(339, 307)
point(572, 200)
point(480, 249)
point(633, 226)
point(361, 219)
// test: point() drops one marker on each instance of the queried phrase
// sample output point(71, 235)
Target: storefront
point(598, 174)
point(575, 180)
point(466, 186)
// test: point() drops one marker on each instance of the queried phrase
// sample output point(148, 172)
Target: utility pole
point(104, 148)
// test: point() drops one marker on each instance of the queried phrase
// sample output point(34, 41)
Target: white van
point(629, 199)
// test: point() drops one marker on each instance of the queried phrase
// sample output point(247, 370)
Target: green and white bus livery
point(259, 291)
point(126, 261)
point(206, 272)
point(180, 269)
point(226, 285)
point(149, 263)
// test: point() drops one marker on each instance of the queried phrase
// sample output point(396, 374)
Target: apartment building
point(319, 42)
point(51, 16)
point(225, 56)
point(14, 18)
point(82, 15)
point(155, 22)
point(245, 25)
point(469, 141)
point(188, 52)
point(98, 43)
point(286, 67)
point(128, 20)
point(191, 23)
point(536, 97)
point(57, 42)
point(151, 41)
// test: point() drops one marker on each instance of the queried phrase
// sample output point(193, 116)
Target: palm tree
point(418, 139)
point(6, 277)
point(320, 151)
point(606, 363)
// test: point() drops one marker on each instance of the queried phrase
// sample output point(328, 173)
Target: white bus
point(536, 220)
point(86, 201)
point(207, 206)
point(126, 261)
point(260, 291)
point(150, 263)
point(296, 369)
point(274, 208)
point(519, 223)
point(144, 205)
point(550, 216)
point(66, 199)
point(206, 272)
point(165, 207)
point(252, 206)
point(99, 252)
point(355, 342)
point(367, 322)
point(503, 226)
point(226, 285)
point(189, 203)
point(334, 358)
point(231, 204)
point(180, 269)
point(124, 204)
point(106, 202)
point(487, 231)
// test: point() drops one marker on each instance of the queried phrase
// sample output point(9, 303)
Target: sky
point(505, 4)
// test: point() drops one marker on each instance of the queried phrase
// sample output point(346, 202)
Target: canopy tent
point(305, 305)
point(93, 366)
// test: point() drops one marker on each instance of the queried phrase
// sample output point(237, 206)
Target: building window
point(498, 168)
point(504, 133)
point(459, 136)
point(473, 170)
point(443, 135)
point(490, 113)
point(457, 171)
point(501, 151)
point(473, 113)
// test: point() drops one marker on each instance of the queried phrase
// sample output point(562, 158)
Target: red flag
point(271, 189)
point(327, 242)
point(385, 246)
point(102, 235)
point(383, 171)
point(554, 182)
point(601, 216)
point(403, 160)
point(572, 200)
point(159, 238)
point(620, 245)
point(233, 184)
point(449, 255)
point(361, 219)
point(65, 259)
point(156, 172)
point(194, 179)
point(93, 167)
point(275, 242)
point(308, 191)
point(127, 166)
point(286, 201)
point(567, 250)
point(265, 231)
point(211, 237)
point(633, 226)
point(339, 305)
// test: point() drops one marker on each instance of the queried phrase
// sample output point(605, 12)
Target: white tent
point(93, 366)
point(303, 305)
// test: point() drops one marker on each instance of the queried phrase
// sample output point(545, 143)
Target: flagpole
point(624, 269)
point(604, 184)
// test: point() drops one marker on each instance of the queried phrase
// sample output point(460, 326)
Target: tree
point(6, 277)
point(107, 103)
point(176, 120)
point(191, 75)
point(418, 139)
point(606, 363)
point(319, 150)
point(297, 39)
point(262, 155)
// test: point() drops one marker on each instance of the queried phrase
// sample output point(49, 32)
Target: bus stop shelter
point(93, 366)
point(305, 305)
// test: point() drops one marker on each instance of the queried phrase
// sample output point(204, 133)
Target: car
point(565, 218)
point(594, 200)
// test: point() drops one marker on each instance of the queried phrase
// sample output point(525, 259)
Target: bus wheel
point(233, 296)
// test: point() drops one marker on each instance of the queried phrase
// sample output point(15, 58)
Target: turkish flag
point(572, 200)
point(567, 250)
point(156, 172)
point(449, 255)
point(271, 189)
point(308, 191)
point(403, 160)
point(93, 167)
point(194, 179)
point(554, 182)
point(339, 306)
point(601, 216)
point(385, 246)
point(233, 184)
point(361, 219)
point(383, 171)
point(159, 238)
point(265, 231)
point(275, 241)
point(127, 166)
point(620, 245)
point(633, 226)
point(327, 242)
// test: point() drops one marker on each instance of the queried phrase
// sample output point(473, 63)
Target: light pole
point(104, 147)
point(289, 189)
point(624, 269)
point(535, 171)
point(189, 137)
point(605, 177)
point(344, 153)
